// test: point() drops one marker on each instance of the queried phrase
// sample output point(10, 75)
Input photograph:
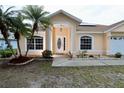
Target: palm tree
point(19, 28)
point(5, 23)
point(38, 17)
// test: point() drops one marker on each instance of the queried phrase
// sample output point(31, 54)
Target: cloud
point(100, 14)
point(110, 15)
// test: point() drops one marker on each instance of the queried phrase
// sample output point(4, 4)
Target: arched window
point(86, 43)
point(36, 43)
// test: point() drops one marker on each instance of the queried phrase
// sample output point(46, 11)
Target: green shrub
point(70, 55)
point(46, 53)
point(6, 53)
point(91, 56)
point(118, 55)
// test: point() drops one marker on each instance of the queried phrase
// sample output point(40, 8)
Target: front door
point(60, 44)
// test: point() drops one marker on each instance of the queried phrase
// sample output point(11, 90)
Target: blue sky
point(98, 14)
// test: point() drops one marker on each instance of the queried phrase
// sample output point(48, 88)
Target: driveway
point(65, 62)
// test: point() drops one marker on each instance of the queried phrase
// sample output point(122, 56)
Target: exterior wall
point(107, 42)
point(23, 44)
point(98, 44)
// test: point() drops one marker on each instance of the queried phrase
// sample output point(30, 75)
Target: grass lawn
point(41, 74)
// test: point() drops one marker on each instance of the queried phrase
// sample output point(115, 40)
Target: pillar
point(48, 39)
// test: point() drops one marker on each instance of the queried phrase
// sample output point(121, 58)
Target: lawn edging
point(44, 59)
point(20, 64)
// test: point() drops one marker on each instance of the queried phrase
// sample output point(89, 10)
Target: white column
point(72, 41)
point(48, 39)
point(108, 43)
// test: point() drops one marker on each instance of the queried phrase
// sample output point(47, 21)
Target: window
point(59, 43)
point(117, 38)
point(85, 43)
point(39, 43)
point(36, 43)
point(31, 43)
point(64, 43)
point(120, 38)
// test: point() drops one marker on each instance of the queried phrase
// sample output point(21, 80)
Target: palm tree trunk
point(35, 26)
point(29, 44)
point(18, 44)
point(9, 45)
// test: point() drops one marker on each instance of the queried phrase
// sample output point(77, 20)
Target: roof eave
point(112, 28)
point(67, 14)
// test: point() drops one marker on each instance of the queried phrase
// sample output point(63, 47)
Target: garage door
point(117, 45)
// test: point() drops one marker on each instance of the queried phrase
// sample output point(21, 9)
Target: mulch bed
point(20, 60)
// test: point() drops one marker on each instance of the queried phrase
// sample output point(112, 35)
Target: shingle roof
point(96, 27)
point(115, 24)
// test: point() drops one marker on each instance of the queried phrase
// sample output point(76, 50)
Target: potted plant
point(47, 54)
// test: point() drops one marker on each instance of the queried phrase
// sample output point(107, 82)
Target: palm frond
point(28, 12)
point(45, 22)
point(37, 15)
point(8, 9)
point(1, 6)
point(19, 27)
point(0, 12)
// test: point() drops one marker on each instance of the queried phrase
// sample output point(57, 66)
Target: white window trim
point(92, 45)
point(34, 44)
point(65, 43)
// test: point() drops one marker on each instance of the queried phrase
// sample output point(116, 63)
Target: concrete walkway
point(65, 62)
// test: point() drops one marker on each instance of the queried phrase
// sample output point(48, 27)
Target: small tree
point(5, 23)
point(19, 28)
point(38, 17)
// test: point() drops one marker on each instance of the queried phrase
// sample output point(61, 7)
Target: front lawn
point(41, 74)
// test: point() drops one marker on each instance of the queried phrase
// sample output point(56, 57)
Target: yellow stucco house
point(69, 33)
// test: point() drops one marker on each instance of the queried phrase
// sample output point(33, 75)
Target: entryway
point(61, 35)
